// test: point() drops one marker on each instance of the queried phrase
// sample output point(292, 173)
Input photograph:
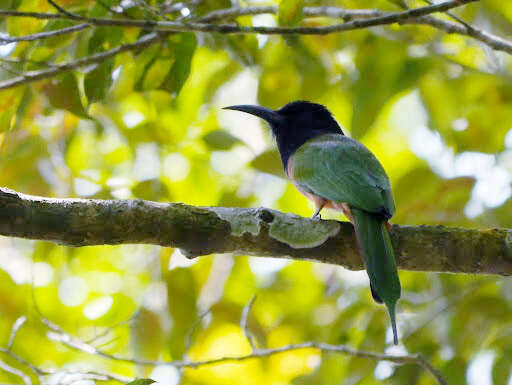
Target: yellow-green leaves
point(9, 102)
point(221, 140)
point(290, 12)
point(97, 82)
point(63, 93)
point(269, 162)
point(182, 47)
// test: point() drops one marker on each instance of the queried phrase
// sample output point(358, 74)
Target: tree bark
point(246, 231)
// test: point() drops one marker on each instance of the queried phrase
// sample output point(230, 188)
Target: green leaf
point(501, 367)
point(183, 47)
point(381, 76)
point(290, 12)
point(97, 82)
point(143, 62)
point(59, 40)
point(9, 102)
point(221, 140)
point(104, 38)
point(422, 197)
point(142, 381)
point(269, 162)
point(63, 93)
point(481, 101)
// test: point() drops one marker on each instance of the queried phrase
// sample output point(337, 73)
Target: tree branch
point(360, 19)
point(175, 26)
point(43, 35)
point(254, 231)
point(57, 69)
point(59, 335)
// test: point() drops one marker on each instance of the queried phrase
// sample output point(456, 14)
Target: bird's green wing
point(342, 170)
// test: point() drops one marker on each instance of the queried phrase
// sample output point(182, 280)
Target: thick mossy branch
point(257, 231)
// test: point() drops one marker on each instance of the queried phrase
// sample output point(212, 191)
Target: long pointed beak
point(271, 116)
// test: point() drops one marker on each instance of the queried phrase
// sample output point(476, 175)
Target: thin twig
point(453, 16)
point(59, 335)
point(15, 327)
point(9, 369)
point(384, 19)
point(8, 69)
point(32, 76)
point(43, 35)
point(332, 12)
point(192, 329)
point(25, 61)
point(413, 16)
point(243, 323)
point(62, 10)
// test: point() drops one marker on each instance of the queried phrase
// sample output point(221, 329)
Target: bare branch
point(57, 69)
point(65, 338)
point(15, 327)
point(14, 61)
point(14, 330)
point(43, 35)
point(363, 19)
point(9, 369)
point(493, 41)
point(62, 10)
point(385, 19)
point(243, 323)
point(192, 329)
point(332, 12)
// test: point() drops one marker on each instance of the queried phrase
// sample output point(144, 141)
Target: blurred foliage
point(436, 109)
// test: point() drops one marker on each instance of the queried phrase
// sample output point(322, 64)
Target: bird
point(338, 172)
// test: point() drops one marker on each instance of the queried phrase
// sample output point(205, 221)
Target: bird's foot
point(316, 216)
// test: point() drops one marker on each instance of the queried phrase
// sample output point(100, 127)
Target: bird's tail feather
point(376, 248)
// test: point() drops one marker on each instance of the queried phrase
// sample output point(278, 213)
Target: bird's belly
point(316, 199)
point(324, 202)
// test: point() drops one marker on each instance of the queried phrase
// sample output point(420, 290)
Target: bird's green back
point(342, 170)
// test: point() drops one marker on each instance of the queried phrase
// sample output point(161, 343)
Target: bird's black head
point(294, 124)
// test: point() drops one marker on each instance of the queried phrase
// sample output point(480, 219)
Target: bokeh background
point(436, 109)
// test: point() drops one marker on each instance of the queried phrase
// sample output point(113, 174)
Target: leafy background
point(435, 108)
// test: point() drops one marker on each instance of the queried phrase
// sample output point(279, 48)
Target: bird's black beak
point(271, 116)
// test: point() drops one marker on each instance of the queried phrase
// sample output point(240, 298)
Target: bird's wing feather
point(342, 170)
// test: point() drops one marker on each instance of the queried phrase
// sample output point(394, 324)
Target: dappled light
point(427, 94)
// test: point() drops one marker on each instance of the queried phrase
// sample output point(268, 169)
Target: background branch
point(59, 335)
point(359, 19)
point(263, 232)
point(57, 69)
point(174, 26)
point(43, 35)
